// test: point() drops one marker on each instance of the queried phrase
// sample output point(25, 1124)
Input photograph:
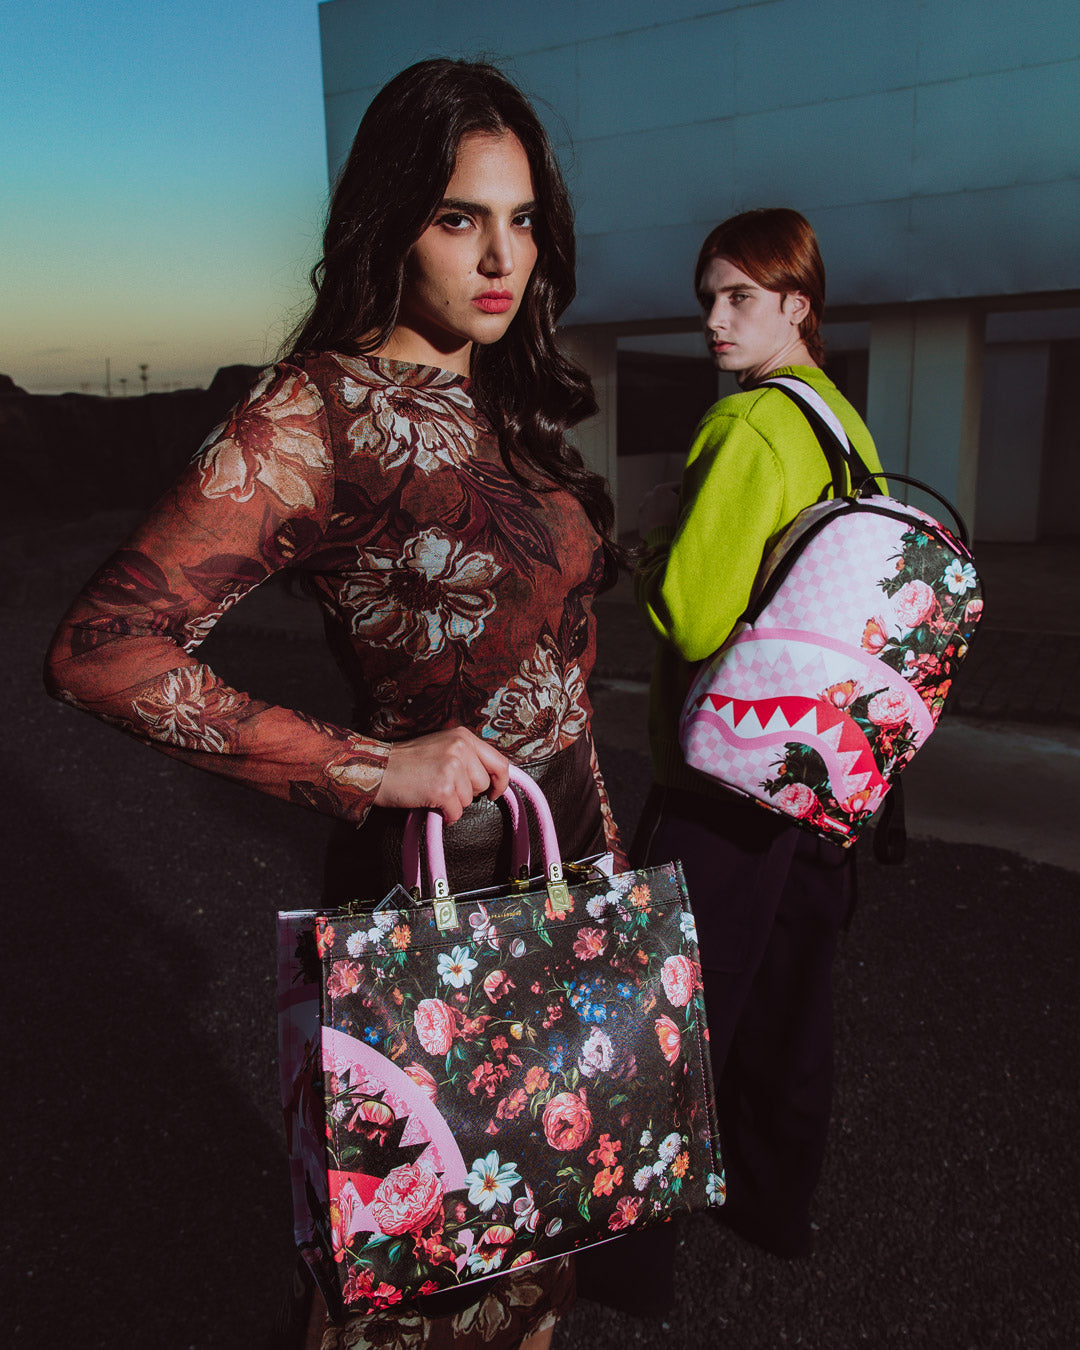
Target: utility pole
point(108, 380)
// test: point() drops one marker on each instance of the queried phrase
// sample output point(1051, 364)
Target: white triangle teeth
point(777, 722)
point(831, 735)
point(806, 723)
point(849, 758)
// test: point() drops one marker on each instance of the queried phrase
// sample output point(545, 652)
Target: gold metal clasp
point(558, 891)
point(446, 915)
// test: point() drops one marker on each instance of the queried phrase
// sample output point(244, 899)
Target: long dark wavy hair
point(387, 195)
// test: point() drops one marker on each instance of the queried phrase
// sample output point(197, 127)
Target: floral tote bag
point(474, 1083)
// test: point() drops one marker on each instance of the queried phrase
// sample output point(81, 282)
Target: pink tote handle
point(410, 843)
point(520, 782)
point(410, 852)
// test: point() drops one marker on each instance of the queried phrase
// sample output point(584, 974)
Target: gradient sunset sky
point(163, 182)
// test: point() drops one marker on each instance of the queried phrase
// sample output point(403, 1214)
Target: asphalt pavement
point(147, 1194)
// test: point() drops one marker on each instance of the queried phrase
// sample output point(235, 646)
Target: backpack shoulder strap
point(845, 463)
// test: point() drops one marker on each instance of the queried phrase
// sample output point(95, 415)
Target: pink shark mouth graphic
point(795, 717)
point(426, 1124)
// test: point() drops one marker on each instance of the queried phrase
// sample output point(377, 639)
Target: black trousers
point(769, 902)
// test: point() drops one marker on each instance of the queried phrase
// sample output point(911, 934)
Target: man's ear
point(796, 306)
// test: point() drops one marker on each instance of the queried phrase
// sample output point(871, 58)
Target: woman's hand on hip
point(442, 772)
point(659, 506)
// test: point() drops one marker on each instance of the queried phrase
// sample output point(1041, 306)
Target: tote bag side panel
point(300, 1061)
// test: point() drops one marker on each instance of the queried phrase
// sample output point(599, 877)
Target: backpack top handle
point(841, 455)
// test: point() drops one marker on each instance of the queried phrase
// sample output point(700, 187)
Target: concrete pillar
point(1011, 444)
point(595, 349)
point(924, 395)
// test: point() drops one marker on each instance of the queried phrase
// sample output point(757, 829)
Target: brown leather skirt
point(364, 863)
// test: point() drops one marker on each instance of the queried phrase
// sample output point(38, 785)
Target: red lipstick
point(494, 302)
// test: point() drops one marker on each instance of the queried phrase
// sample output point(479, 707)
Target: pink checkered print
point(809, 670)
point(852, 550)
point(747, 764)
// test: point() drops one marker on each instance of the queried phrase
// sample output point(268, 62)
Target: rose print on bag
point(434, 1023)
point(567, 1121)
point(923, 637)
point(667, 1033)
point(590, 943)
point(913, 604)
point(554, 1065)
point(677, 977)
point(407, 1199)
point(888, 709)
point(798, 800)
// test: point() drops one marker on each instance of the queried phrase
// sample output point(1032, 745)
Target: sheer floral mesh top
point(454, 595)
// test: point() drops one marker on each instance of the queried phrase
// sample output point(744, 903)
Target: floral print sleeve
point(455, 592)
point(256, 498)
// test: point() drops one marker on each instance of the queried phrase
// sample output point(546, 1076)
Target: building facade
point(933, 144)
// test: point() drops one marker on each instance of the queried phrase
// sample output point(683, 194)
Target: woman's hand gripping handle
point(442, 772)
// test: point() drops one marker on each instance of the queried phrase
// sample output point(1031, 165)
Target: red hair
point(777, 248)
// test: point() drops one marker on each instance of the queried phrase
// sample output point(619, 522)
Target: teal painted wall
point(933, 143)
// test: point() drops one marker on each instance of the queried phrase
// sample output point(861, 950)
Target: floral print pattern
point(426, 421)
point(276, 440)
point(431, 593)
point(932, 604)
point(454, 594)
point(190, 708)
point(542, 709)
point(496, 1096)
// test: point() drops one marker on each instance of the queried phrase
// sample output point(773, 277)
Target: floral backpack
point(841, 665)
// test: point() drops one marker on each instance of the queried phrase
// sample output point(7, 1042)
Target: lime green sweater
point(754, 464)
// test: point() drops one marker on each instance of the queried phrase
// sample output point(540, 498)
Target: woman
point(769, 898)
point(409, 459)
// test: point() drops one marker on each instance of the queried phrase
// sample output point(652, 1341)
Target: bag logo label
point(446, 915)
